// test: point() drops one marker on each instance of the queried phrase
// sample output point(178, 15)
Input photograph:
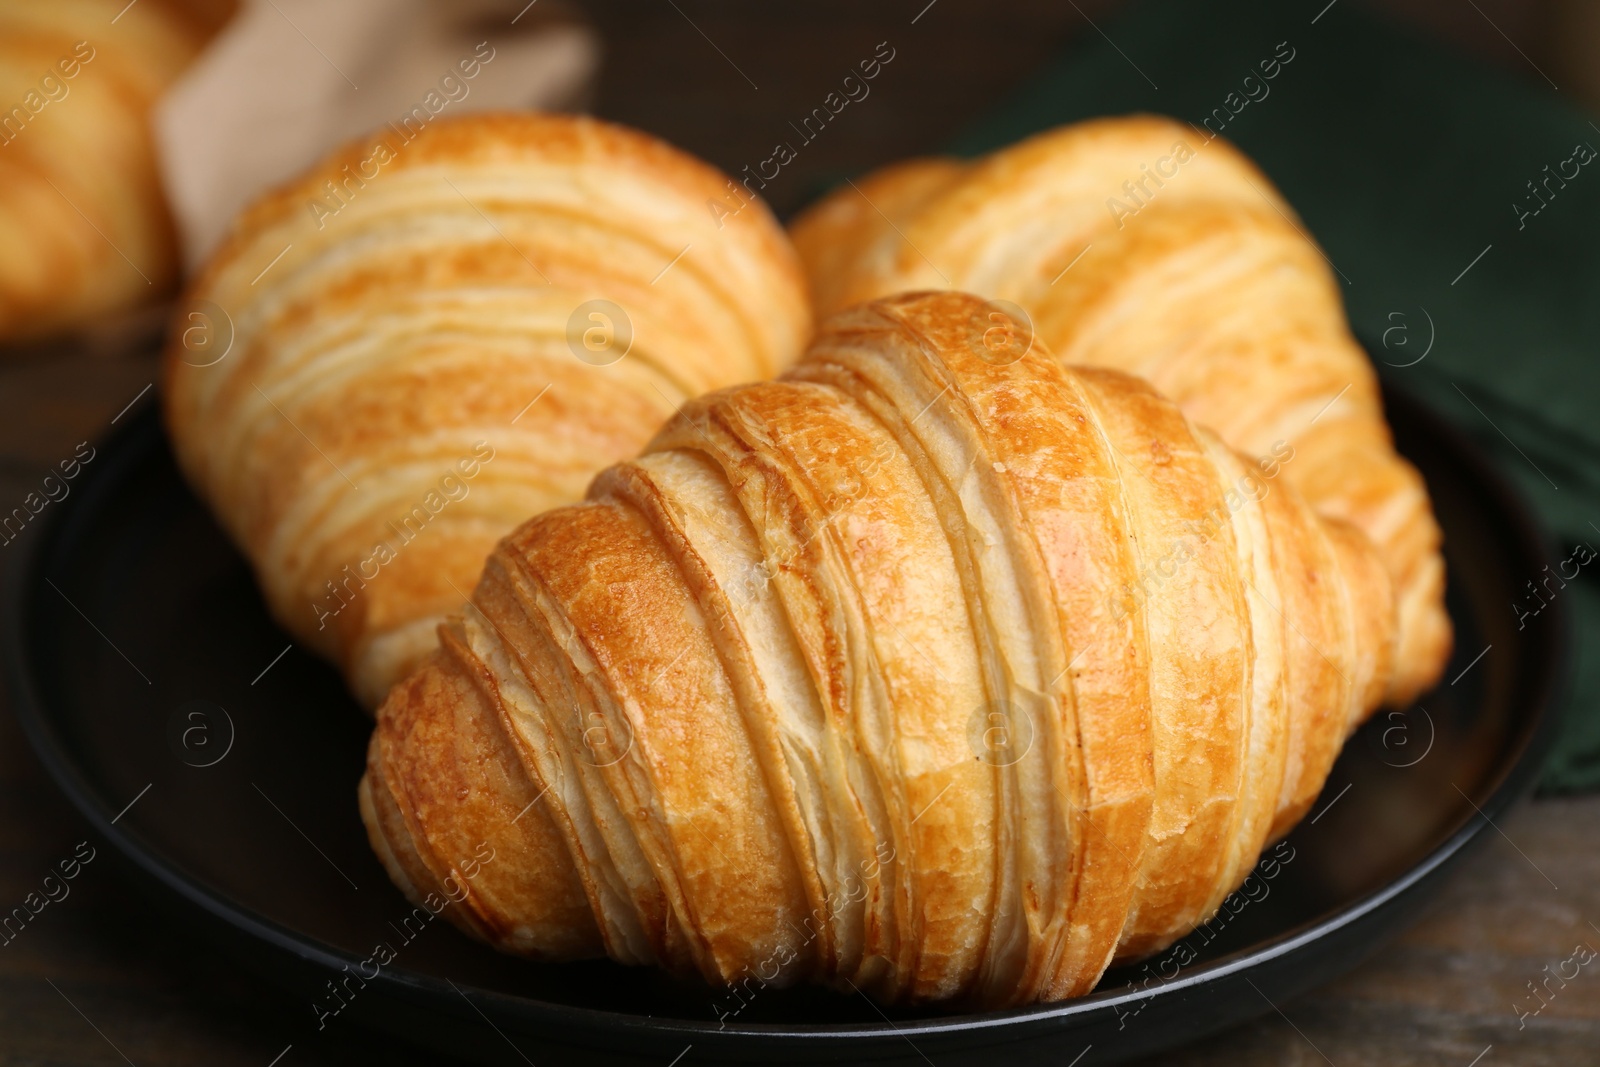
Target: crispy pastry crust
point(404, 314)
point(944, 676)
point(1195, 275)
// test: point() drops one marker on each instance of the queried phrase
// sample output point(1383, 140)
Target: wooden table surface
point(98, 980)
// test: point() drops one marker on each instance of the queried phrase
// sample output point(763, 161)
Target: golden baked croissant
point(396, 358)
point(942, 676)
point(1193, 274)
point(84, 228)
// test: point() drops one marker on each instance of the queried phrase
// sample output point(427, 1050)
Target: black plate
point(149, 678)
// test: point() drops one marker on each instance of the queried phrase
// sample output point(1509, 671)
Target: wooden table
point(97, 980)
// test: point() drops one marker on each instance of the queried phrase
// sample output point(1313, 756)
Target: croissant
point(84, 227)
point(1149, 246)
point(946, 677)
point(396, 358)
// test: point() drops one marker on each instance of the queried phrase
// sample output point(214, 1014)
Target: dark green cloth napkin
point(1411, 167)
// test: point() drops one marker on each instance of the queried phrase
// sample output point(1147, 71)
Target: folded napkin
point(289, 80)
point(1462, 205)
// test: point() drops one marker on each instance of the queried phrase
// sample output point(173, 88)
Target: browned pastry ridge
point(397, 357)
point(945, 675)
point(1137, 243)
point(84, 226)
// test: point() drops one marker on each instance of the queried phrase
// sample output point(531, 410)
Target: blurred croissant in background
point(430, 336)
point(84, 226)
point(1139, 244)
point(831, 683)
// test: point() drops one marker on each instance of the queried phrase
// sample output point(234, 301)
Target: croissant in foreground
point(1150, 246)
point(948, 678)
point(432, 335)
